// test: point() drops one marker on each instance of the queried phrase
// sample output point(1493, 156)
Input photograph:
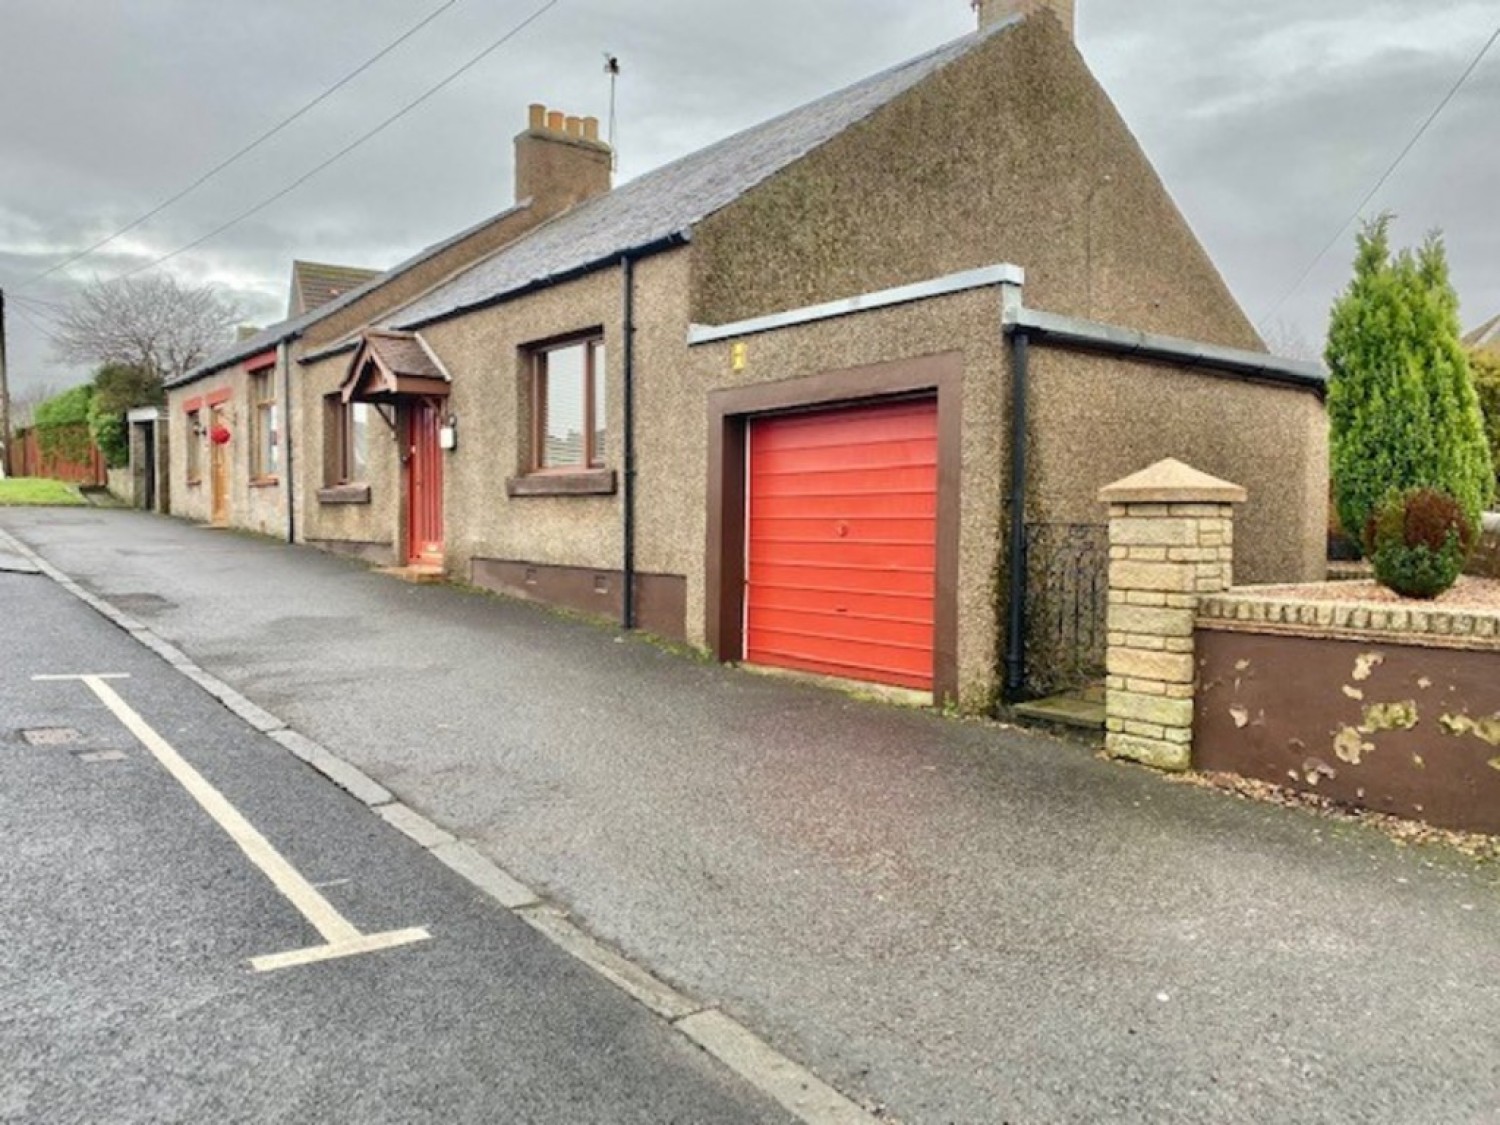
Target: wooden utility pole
point(4, 399)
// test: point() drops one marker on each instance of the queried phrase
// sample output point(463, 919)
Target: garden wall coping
point(1281, 609)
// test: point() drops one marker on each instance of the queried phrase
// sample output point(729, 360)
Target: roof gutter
point(1109, 339)
point(330, 351)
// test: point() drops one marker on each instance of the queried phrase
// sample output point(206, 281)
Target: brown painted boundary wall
point(1400, 724)
point(28, 460)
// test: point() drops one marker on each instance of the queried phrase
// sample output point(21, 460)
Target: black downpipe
point(1015, 640)
point(288, 470)
point(627, 392)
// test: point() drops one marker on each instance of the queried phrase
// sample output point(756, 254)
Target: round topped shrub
point(1417, 541)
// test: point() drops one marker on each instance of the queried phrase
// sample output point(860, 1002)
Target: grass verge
point(37, 492)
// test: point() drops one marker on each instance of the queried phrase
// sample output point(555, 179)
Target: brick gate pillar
point(1171, 541)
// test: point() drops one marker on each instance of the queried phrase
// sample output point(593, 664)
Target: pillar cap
point(1172, 482)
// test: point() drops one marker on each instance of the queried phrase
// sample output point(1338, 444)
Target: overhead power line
point(41, 308)
point(1386, 175)
point(20, 311)
point(351, 146)
point(248, 148)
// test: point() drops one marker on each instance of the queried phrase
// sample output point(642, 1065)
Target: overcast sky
point(1266, 122)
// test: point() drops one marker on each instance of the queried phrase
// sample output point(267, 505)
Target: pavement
point(948, 921)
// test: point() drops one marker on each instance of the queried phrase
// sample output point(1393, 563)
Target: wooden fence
point(28, 458)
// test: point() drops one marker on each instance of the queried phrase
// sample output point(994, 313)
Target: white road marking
point(341, 937)
point(360, 943)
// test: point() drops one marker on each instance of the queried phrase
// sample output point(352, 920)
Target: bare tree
point(23, 403)
point(155, 323)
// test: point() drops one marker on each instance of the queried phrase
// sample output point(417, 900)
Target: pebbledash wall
point(252, 502)
point(1391, 706)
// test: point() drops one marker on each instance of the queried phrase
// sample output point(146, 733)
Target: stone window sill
point(264, 482)
point(593, 482)
point(344, 494)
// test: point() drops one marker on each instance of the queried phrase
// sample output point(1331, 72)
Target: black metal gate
point(1067, 605)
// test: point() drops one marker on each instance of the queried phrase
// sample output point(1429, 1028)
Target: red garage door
point(842, 543)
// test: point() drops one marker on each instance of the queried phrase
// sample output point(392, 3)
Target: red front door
point(424, 485)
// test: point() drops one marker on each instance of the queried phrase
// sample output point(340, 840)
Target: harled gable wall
point(1013, 153)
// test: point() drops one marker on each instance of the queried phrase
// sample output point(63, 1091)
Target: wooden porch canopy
point(390, 366)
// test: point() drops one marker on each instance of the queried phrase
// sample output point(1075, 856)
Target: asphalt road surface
point(129, 920)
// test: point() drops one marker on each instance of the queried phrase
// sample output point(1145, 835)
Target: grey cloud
point(1267, 122)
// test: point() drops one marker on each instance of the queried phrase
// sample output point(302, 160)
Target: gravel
point(1467, 593)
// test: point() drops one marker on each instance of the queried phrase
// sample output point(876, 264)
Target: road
point(132, 919)
point(960, 921)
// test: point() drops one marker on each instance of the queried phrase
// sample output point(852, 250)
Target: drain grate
point(51, 736)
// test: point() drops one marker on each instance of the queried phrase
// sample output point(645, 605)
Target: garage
point(842, 542)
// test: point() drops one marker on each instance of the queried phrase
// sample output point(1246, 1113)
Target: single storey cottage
point(834, 395)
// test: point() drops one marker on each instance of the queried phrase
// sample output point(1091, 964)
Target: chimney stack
point(992, 12)
point(560, 161)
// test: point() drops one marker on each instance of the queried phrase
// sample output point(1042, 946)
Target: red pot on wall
point(219, 435)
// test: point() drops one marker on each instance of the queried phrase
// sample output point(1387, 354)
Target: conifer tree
point(1401, 398)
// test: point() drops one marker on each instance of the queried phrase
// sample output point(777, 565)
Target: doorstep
point(419, 575)
point(1083, 709)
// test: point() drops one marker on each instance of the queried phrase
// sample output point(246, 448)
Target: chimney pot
point(560, 162)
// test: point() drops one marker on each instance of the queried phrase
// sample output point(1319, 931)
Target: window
point(347, 434)
point(194, 446)
point(265, 453)
point(357, 442)
point(569, 405)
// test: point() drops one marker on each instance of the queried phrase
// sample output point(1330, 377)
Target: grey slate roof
point(294, 326)
point(672, 199)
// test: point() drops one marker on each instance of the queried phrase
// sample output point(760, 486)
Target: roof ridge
point(684, 191)
point(832, 95)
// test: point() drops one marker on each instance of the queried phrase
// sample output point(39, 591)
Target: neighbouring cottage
point(835, 395)
point(315, 284)
point(234, 445)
